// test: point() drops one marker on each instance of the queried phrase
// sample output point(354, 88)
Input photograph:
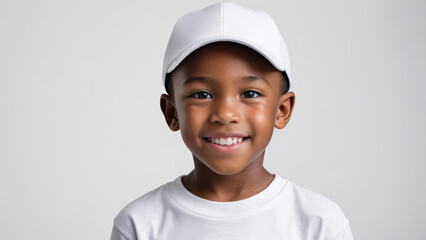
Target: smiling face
point(226, 102)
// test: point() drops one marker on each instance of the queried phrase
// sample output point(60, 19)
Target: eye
point(250, 94)
point(201, 95)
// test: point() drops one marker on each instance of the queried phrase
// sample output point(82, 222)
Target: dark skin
point(230, 92)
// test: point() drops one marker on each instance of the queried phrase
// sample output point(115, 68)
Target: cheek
point(190, 122)
point(262, 121)
point(262, 116)
point(187, 130)
point(192, 115)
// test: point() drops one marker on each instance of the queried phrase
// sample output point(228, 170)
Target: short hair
point(285, 87)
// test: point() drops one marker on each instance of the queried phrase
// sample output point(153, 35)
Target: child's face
point(227, 93)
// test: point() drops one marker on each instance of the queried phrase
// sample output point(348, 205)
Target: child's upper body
point(281, 211)
point(227, 76)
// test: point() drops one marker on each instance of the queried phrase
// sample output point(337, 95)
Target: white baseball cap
point(226, 22)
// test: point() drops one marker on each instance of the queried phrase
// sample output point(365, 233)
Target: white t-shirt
point(282, 211)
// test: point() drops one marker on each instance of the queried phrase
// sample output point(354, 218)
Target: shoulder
point(314, 204)
point(321, 216)
point(140, 212)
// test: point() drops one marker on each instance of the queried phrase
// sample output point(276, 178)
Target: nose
point(225, 111)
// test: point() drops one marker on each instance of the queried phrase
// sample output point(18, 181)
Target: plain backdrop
point(82, 134)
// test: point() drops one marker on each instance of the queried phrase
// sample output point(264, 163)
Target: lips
point(226, 141)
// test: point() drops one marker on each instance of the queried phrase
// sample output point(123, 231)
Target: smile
point(225, 141)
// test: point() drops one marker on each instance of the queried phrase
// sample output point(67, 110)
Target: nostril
point(224, 119)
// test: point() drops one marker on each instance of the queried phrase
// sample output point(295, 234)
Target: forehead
point(224, 60)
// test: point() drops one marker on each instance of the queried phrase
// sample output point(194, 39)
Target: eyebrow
point(245, 78)
point(195, 79)
point(255, 78)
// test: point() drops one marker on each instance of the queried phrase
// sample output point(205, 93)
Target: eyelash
point(207, 95)
point(250, 91)
point(197, 95)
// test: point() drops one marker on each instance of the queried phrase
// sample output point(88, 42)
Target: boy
point(227, 76)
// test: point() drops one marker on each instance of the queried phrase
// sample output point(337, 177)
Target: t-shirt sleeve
point(344, 234)
point(117, 235)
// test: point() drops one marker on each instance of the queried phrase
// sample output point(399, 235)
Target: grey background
point(82, 134)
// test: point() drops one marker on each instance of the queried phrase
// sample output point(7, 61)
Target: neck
point(205, 183)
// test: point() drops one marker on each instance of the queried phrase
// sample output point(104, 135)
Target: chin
point(226, 170)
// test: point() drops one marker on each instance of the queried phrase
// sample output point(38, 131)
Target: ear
point(168, 108)
point(284, 110)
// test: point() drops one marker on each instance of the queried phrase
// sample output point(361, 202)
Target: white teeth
point(226, 141)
